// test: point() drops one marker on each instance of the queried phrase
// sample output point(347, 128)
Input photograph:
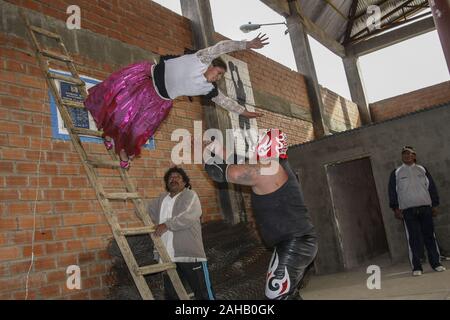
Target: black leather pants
point(287, 266)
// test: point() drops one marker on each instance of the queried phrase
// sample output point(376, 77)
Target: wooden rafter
point(350, 23)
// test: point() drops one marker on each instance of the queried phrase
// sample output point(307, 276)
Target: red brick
point(6, 167)
point(94, 244)
point(9, 195)
point(7, 76)
point(90, 283)
point(67, 260)
point(101, 230)
point(16, 181)
point(29, 81)
point(72, 195)
point(51, 169)
point(43, 235)
point(54, 248)
point(39, 144)
point(51, 222)
point(61, 146)
point(52, 291)
point(15, 66)
point(44, 182)
point(10, 127)
point(74, 245)
point(59, 182)
point(19, 208)
point(64, 233)
point(22, 295)
point(37, 279)
point(97, 269)
point(57, 276)
point(53, 195)
point(44, 207)
point(63, 207)
point(9, 253)
point(10, 102)
point(46, 263)
point(38, 250)
point(10, 284)
point(30, 194)
point(69, 169)
point(79, 182)
point(30, 130)
point(21, 237)
point(86, 257)
point(84, 231)
point(26, 167)
point(55, 157)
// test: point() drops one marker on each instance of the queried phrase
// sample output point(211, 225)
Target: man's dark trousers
point(419, 225)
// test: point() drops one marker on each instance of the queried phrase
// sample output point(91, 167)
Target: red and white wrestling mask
point(272, 144)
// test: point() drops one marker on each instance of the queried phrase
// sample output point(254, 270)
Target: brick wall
point(340, 113)
point(70, 226)
point(410, 102)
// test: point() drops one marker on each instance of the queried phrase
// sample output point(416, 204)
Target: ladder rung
point(64, 78)
point(122, 196)
point(45, 32)
point(56, 56)
point(73, 104)
point(155, 268)
point(136, 231)
point(87, 132)
point(101, 163)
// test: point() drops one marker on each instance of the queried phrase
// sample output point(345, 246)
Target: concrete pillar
point(199, 13)
point(305, 65)
point(441, 16)
point(356, 86)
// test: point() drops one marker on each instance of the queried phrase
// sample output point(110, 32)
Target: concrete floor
point(397, 283)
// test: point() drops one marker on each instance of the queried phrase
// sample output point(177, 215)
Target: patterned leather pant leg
point(287, 266)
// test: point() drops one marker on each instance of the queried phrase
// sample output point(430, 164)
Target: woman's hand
point(258, 42)
point(251, 115)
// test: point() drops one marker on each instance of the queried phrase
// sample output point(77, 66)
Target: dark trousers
point(419, 230)
point(287, 267)
point(194, 274)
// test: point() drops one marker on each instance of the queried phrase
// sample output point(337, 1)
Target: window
point(80, 117)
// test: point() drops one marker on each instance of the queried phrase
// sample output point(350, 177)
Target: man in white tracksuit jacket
point(413, 197)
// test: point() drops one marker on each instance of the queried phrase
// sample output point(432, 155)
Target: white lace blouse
point(184, 76)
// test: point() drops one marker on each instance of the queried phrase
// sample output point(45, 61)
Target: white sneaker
point(439, 268)
point(417, 273)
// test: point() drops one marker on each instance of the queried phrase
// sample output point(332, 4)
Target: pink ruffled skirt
point(127, 107)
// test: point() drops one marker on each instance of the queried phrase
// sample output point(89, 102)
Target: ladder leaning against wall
point(91, 164)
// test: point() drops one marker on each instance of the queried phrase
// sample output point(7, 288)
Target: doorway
point(357, 211)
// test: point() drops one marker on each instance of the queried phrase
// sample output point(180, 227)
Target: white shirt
point(184, 76)
point(166, 214)
point(167, 237)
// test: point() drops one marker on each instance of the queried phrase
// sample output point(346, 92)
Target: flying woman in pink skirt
point(131, 103)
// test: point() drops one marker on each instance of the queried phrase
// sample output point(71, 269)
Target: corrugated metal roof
point(335, 16)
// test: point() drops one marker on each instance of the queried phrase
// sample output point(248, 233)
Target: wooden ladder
point(90, 164)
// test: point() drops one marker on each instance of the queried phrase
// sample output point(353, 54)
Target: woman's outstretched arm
point(207, 55)
point(231, 105)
